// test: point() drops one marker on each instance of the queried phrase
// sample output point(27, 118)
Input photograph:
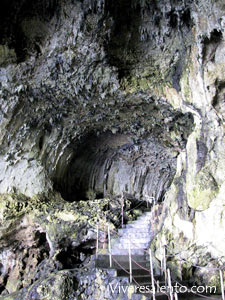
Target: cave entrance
point(114, 164)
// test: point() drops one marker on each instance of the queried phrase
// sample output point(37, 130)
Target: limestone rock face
point(43, 236)
point(108, 98)
point(196, 216)
point(78, 76)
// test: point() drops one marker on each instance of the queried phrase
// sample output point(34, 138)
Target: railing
point(149, 200)
point(163, 266)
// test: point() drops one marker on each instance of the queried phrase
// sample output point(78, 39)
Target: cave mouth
point(72, 257)
point(116, 164)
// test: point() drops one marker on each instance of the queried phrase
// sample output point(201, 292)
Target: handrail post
point(161, 266)
point(164, 263)
point(222, 285)
point(109, 248)
point(97, 245)
point(153, 218)
point(122, 210)
point(180, 263)
point(130, 263)
point(152, 275)
point(170, 284)
point(104, 233)
point(161, 259)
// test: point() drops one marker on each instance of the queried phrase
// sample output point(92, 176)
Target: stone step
point(138, 226)
point(133, 245)
point(134, 240)
point(140, 272)
point(147, 222)
point(146, 213)
point(149, 295)
point(135, 235)
point(126, 251)
point(147, 282)
point(145, 279)
point(134, 253)
point(144, 218)
point(118, 265)
point(133, 230)
point(141, 219)
point(124, 257)
point(125, 247)
point(135, 272)
point(132, 236)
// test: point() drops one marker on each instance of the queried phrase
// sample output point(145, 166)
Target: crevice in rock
point(219, 99)
point(29, 25)
point(210, 44)
point(135, 31)
point(176, 74)
point(30, 249)
point(202, 152)
point(41, 142)
point(173, 19)
point(72, 257)
point(124, 35)
point(68, 258)
point(186, 18)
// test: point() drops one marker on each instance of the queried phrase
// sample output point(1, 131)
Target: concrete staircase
point(138, 234)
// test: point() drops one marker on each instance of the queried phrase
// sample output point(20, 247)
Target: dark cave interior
point(113, 164)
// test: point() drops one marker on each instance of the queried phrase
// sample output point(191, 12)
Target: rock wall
point(195, 224)
point(67, 82)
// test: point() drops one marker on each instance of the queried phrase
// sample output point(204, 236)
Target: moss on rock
point(61, 285)
point(202, 191)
